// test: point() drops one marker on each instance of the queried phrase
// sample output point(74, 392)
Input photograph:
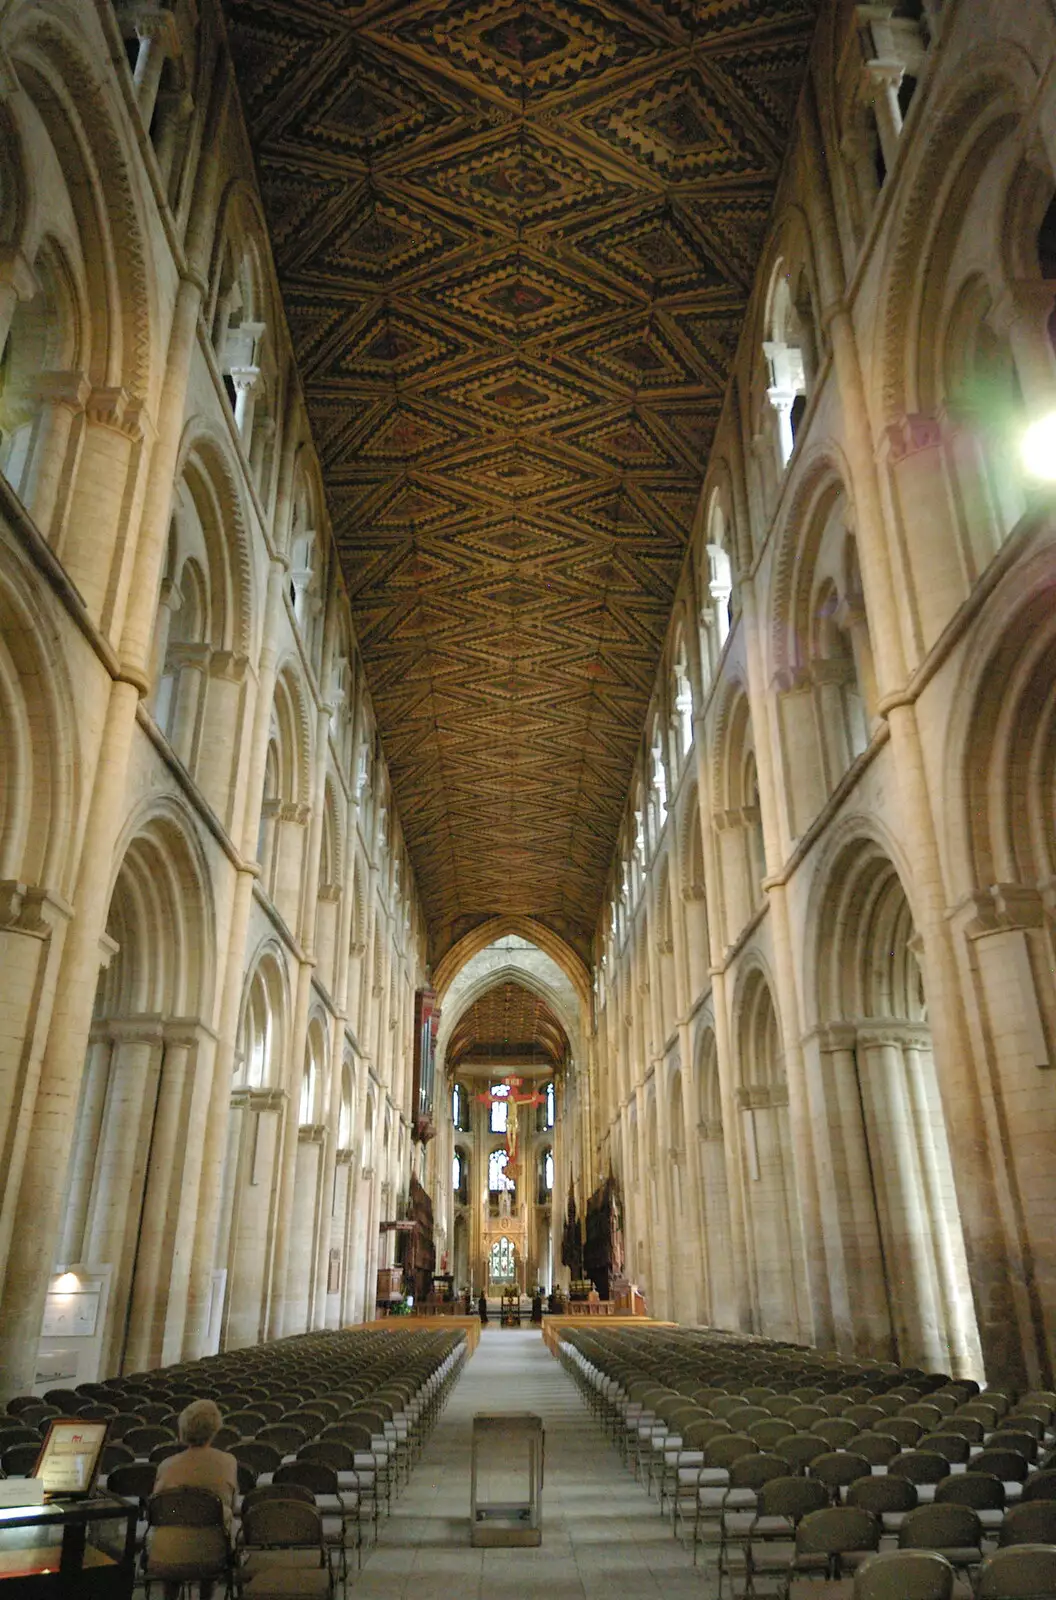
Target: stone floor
point(603, 1539)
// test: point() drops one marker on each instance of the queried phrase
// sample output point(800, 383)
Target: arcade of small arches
point(813, 1036)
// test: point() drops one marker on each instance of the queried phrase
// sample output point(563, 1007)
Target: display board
point(69, 1460)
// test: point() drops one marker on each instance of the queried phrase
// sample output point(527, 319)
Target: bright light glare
point(1039, 448)
point(67, 1282)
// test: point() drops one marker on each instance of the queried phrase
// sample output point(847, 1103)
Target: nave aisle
point(602, 1538)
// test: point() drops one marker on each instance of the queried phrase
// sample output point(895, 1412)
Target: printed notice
point(70, 1457)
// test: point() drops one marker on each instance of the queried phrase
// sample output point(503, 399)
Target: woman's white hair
point(199, 1422)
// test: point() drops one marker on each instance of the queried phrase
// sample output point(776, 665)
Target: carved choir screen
point(415, 1250)
point(603, 1247)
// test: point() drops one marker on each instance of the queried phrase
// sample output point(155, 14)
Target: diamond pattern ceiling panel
point(515, 243)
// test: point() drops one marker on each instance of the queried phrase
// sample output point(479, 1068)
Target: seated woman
point(199, 1466)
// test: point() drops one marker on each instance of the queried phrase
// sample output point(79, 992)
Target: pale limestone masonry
point(820, 1050)
point(826, 1015)
point(201, 864)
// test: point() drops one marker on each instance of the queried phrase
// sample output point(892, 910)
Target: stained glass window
point(500, 1111)
point(503, 1261)
point(497, 1179)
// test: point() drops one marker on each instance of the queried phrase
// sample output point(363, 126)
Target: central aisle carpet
point(603, 1538)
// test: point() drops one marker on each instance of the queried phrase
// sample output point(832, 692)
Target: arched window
point(548, 1172)
point(498, 1182)
point(500, 1111)
point(344, 1118)
point(457, 1169)
point(658, 793)
point(261, 1034)
point(258, 1032)
point(683, 701)
point(551, 1100)
point(458, 1107)
point(791, 357)
point(309, 1085)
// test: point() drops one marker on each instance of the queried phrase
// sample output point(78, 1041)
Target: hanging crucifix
point(512, 1099)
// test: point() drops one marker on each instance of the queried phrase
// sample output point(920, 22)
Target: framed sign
point(69, 1459)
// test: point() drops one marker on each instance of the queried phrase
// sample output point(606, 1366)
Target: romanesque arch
point(884, 1098)
point(145, 1089)
point(736, 813)
point(768, 1171)
point(254, 1146)
point(720, 1307)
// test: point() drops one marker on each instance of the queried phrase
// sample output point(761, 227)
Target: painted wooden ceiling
point(509, 1024)
point(515, 244)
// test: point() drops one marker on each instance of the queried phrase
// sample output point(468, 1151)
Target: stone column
point(18, 282)
point(220, 772)
point(720, 1307)
point(174, 1167)
point(883, 79)
point(114, 1213)
point(174, 111)
point(723, 1044)
point(32, 933)
point(906, 1224)
point(340, 1240)
point(853, 1249)
point(86, 1144)
point(191, 667)
point(806, 1229)
point(51, 463)
point(1022, 316)
point(305, 1205)
point(91, 539)
point(953, 1292)
point(155, 30)
point(1003, 942)
point(294, 1067)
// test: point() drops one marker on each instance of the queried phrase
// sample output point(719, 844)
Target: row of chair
point(324, 1428)
point(755, 1447)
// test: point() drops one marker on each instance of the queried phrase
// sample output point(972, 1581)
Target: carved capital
point(893, 1035)
point(229, 666)
point(136, 1030)
point(1006, 906)
point(837, 1036)
point(149, 19)
point(831, 672)
point(912, 435)
point(196, 656)
point(69, 389)
point(245, 379)
point(762, 1096)
point(106, 407)
point(881, 77)
point(311, 1133)
point(247, 1099)
point(15, 267)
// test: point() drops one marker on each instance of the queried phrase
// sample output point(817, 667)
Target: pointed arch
point(496, 928)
